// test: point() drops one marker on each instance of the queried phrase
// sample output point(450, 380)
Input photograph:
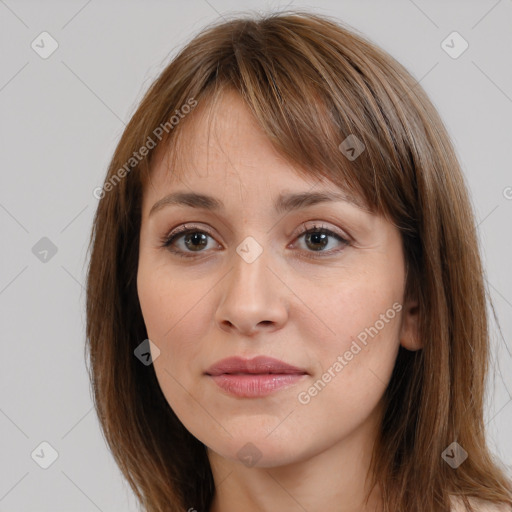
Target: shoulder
point(479, 506)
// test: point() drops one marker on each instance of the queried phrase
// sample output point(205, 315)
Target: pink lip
point(259, 365)
point(255, 377)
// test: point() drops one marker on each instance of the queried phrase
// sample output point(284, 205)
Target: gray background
point(61, 118)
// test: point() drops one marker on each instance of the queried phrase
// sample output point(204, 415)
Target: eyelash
point(167, 241)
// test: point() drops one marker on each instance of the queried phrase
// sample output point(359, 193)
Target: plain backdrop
point(61, 117)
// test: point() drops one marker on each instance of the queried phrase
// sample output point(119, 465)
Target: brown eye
point(318, 238)
point(195, 240)
point(187, 240)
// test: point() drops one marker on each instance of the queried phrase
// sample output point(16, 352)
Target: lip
point(256, 365)
point(257, 377)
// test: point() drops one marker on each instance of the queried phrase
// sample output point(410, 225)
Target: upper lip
point(257, 365)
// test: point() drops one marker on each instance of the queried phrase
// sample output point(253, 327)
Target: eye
point(187, 240)
point(317, 238)
point(195, 240)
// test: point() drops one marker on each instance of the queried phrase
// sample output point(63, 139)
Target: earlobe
point(409, 332)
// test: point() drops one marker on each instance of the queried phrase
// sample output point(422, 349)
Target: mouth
point(261, 365)
point(254, 378)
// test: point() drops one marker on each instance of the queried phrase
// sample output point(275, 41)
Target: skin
point(286, 304)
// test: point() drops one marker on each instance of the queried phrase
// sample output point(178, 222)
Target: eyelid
point(184, 229)
point(319, 225)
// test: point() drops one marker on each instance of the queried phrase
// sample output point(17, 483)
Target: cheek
point(362, 307)
point(175, 314)
point(354, 368)
point(172, 322)
point(356, 354)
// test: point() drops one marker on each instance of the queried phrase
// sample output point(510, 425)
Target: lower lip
point(255, 385)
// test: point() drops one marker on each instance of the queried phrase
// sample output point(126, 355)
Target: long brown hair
point(310, 82)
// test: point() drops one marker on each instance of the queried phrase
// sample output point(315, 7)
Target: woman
point(285, 303)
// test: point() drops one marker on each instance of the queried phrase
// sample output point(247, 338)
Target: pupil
point(317, 238)
point(196, 237)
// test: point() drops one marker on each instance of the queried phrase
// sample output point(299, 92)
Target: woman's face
point(247, 282)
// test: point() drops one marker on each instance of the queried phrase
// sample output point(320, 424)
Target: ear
point(409, 333)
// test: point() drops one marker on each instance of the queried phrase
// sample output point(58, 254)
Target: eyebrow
point(284, 202)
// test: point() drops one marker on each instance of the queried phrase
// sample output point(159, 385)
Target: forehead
point(221, 150)
point(221, 143)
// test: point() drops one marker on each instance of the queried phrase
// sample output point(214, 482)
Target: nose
point(253, 297)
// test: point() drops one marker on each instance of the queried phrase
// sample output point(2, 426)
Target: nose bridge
point(250, 273)
point(251, 297)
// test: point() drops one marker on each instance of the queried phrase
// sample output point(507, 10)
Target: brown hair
point(310, 83)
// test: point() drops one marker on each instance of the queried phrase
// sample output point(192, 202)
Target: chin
point(259, 453)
